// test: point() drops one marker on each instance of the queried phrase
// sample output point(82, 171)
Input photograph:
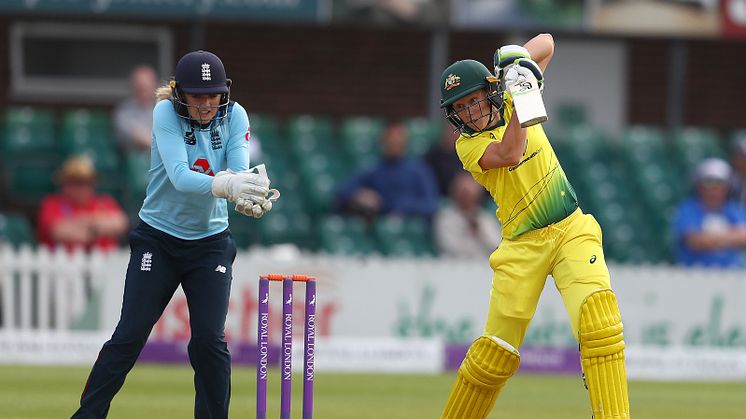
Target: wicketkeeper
point(199, 159)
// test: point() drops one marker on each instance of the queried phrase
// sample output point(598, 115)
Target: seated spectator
point(443, 160)
point(76, 216)
point(738, 159)
point(397, 184)
point(710, 229)
point(133, 118)
point(463, 229)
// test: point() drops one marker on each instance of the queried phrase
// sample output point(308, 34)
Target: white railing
point(59, 307)
point(662, 306)
point(47, 290)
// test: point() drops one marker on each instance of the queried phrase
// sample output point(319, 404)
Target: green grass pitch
point(154, 391)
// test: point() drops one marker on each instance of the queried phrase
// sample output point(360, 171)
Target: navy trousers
point(158, 264)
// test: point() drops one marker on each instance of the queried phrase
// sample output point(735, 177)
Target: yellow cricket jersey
point(530, 195)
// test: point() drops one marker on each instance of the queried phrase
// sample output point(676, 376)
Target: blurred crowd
point(432, 188)
point(710, 225)
point(429, 189)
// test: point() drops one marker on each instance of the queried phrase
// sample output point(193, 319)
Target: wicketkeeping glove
point(507, 55)
point(258, 206)
point(240, 186)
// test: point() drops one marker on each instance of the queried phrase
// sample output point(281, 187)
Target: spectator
point(397, 184)
point(738, 159)
point(77, 217)
point(133, 118)
point(443, 160)
point(710, 229)
point(463, 229)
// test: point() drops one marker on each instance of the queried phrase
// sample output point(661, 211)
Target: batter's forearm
point(509, 151)
point(541, 48)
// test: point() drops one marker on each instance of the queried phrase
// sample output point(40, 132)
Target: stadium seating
point(692, 145)
point(308, 134)
point(265, 129)
point(29, 181)
point(360, 138)
point(264, 125)
point(289, 223)
point(571, 115)
point(422, 134)
point(734, 136)
point(650, 166)
point(137, 166)
point(345, 236)
point(84, 130)
point(403, 236)
point(15, 230)
point(28, 132)
point(632, 183)
point(88, 132)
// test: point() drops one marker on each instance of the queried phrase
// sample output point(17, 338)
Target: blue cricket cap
point(201, 72)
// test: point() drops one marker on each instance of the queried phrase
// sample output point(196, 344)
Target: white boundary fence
point(679, 324)
point(47, 290)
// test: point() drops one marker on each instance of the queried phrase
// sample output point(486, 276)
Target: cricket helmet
point(463, 78)
point(200, 73)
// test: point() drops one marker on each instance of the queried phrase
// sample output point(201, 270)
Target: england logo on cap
point(206, 72)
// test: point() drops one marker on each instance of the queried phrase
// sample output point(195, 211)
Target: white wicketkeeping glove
point(240, 186)
point(258, 206)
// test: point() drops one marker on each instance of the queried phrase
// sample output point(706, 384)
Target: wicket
point(309, 346)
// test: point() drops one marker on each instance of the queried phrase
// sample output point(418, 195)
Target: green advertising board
point(284, 10)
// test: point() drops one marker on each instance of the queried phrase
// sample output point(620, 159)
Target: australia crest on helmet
point(452, 81)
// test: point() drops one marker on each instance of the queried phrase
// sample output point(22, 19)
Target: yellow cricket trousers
point(569, 250)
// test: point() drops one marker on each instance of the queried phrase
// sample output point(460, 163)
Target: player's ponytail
point(164, 92)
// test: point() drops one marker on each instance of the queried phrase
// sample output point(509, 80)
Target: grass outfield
point(166, 392)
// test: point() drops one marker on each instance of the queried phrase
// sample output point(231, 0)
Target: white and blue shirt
point(183, 160)
point(693, 217)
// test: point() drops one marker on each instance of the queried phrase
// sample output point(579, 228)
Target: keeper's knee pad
point(602, 355)
point(482, 375)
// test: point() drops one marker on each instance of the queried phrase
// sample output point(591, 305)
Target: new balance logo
point(147, 261)
point(220, 269)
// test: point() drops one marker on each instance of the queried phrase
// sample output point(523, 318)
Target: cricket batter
point(544, 232)
point(199, 158)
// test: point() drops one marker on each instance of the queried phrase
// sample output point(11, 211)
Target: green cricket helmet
point(463, 78)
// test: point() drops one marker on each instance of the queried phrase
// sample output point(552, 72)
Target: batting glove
point(523, 68)
point(507, 55)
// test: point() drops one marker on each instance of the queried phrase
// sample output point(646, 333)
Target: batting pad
point(602, 355)
point(482, 375)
